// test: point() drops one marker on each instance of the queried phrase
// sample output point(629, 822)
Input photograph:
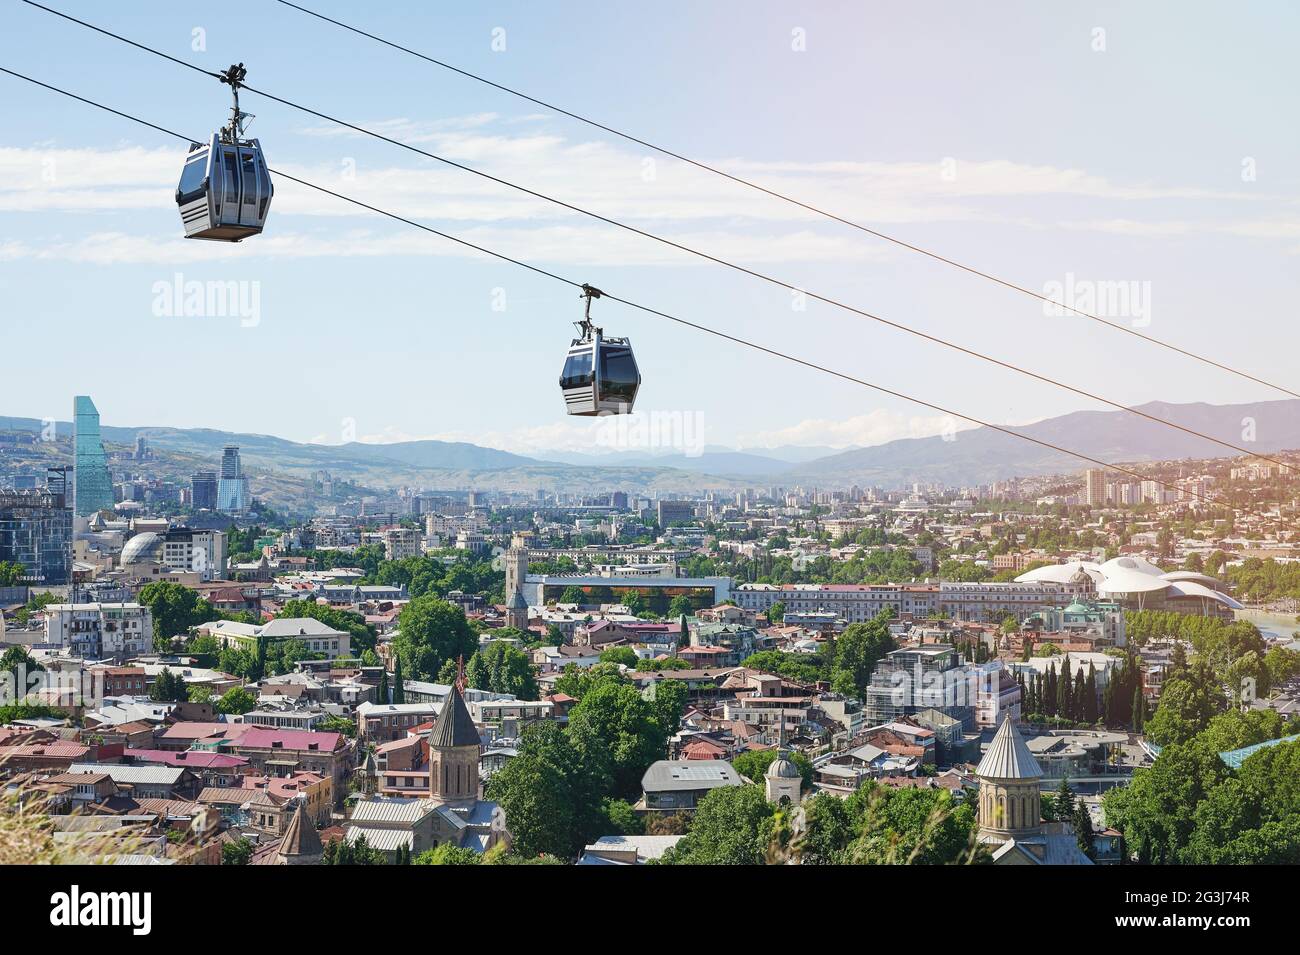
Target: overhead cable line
point(753, 273)
point(750, 184)
point(844, 376)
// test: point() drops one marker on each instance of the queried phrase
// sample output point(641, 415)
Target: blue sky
point(1015, 137)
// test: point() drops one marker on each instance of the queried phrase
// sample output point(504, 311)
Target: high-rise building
point(93, 488)
point(232, 487)
point(197, 551)
point(669, 512)
point(1095, 487)
point(203, 490)
point(36, 531)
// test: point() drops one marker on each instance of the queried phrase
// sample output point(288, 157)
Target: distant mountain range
point(981, 455)
point(977, 456)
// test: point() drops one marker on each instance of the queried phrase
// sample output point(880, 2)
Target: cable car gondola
point(225, 189)
point(600, 376)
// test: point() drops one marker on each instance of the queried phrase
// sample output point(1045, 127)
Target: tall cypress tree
point(383, 686)
point(1064, 688)
point(1090, 695)
point(1082, 820)
point(399, 688)
point(1063, 804)
point(1049, 691)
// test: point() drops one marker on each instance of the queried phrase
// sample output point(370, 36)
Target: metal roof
point(1008, 757)
point(669, 775)
point(385, 840)
point(396, 810)
point(455, 727)
point(135, 775)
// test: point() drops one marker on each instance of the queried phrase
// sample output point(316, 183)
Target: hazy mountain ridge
point(977, 456)
point(981, 455)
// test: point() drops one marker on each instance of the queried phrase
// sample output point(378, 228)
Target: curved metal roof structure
point(1060, 573)
point(141, 548)
point(1132, 575)
point(1190, 588)
point(1178, 576)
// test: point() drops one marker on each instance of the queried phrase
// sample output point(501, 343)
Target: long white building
point(860, 602)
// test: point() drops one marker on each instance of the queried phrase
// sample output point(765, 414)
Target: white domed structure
point(1138, 583)
point(143, 549)
point(782, 780)
point(1066, 573)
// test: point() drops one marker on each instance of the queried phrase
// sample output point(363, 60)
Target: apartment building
point(99, 630)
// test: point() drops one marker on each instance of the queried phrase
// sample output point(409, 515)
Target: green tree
point(168, 687)
point(1082, 821)
point(432, 631)
point(680, 606)
point(725, 829)
point(551, 800)
point(447, 854)
point(1063, 803)
point(910, 827)
point(20, 665)
point(236, 700)
point(1157, 810)
point(503, 668)
point(237, 852)
point(752, 764)
point(857, 651)
point(614, 726)
point(1187, 704)
point(620, 819)
point(340, 852)
point(622, 654)
point(175, 609)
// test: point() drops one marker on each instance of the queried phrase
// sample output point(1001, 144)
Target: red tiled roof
point(262, 737)
point(197, 730)
point(196, 759)
point(59, 748)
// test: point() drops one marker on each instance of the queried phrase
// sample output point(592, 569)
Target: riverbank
point(1273, 625)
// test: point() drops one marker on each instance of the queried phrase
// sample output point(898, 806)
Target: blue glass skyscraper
point(93, 489)
point(232, 488)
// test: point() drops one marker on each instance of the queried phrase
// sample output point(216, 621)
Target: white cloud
point(875, 427)
point(607, 178)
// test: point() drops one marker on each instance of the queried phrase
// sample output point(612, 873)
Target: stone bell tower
point(454, 753)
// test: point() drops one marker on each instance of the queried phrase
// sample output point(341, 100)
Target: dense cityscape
point(1010, 673)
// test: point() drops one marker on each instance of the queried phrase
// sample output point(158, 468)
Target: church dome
point(783, 768)
point(1081, 578)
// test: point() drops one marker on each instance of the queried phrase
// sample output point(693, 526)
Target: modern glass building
point(232, 488)
point(93, 487)
point(36, 531)
point(203, 489)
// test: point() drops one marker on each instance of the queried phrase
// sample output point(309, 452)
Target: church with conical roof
point(1011, 810)
point(454, 755)
point(450, 810)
